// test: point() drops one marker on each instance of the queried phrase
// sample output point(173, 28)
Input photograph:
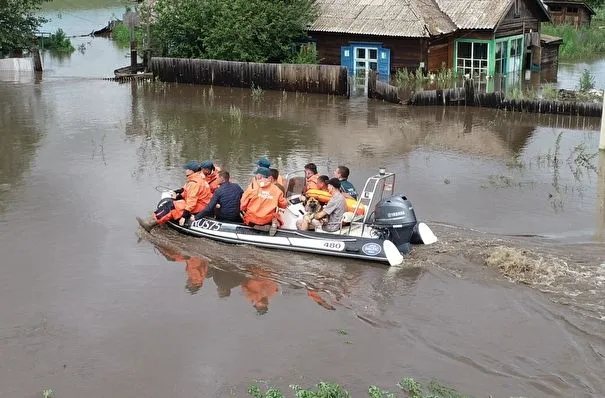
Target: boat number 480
point(334, 245)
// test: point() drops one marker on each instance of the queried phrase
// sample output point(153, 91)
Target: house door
point(366, 59)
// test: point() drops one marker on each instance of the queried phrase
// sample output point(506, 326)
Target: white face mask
point(263, 183)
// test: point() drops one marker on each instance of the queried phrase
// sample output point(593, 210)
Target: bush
point(57, 42)
point(236, 30)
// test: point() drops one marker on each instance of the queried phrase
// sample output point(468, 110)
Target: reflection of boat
point(382, 233)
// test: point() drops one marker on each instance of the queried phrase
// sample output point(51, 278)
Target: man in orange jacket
point(260, 204)
point(192, 198)
point(264, 162)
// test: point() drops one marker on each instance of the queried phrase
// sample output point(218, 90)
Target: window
point(516, 54)
point(572, 10)
point(556, 9)
point(472, 59)
point(501, 57)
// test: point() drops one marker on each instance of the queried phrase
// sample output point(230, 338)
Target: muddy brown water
point(92, 306)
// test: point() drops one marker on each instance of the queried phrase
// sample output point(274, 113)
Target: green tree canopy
point(235, 30)
point(18, 24)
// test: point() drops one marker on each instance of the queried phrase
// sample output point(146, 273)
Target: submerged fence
point(321, 79)
point(467, 96)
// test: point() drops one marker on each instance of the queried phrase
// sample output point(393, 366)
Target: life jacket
point(212, 179)
point(260, 204)
point(324, 197)
point(311, 182)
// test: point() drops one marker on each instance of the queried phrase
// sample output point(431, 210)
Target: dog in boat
point(312, 207)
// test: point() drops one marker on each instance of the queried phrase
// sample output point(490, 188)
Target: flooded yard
point(509, 302)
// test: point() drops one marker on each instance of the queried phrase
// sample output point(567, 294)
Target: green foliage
point(257, 93)
point(415, 389)
point(307, 54)
point(376, 392)
point(57, 42)
point(236, 30)
point(586, 81)
point(18, 24)
point(583, 43)
point(444, 78)
point(411, 387)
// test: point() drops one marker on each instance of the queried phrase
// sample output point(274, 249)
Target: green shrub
point(57, 42)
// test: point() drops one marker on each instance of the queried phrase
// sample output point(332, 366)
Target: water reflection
point(19, 134)
point(257, 285)
point(600, 235)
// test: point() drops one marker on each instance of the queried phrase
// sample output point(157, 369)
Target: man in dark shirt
point(227, 197)
point(342, 173)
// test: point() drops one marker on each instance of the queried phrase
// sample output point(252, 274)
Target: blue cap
point(207, 164)
point(263, 162)
point(192, 165)
point(265, 172)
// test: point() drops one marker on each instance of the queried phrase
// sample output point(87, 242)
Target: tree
point(235, 30)
point(18, 24)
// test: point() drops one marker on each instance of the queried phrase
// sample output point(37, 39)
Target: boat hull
point(364, 248)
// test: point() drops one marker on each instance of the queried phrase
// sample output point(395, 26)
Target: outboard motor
point(394, 219)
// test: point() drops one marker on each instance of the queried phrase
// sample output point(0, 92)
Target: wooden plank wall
point(321, 79)
point(515, 25)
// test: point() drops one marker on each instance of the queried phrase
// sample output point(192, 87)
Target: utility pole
point(602, 140)
point(132, 19)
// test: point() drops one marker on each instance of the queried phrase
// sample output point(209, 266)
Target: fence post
point(602, 140)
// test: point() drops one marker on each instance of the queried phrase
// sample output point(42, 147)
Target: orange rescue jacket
point(196, 194)
point(311, 182)
point(260, 204)
point(212, 178)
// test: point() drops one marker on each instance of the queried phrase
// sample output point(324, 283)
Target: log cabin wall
point(405, 52)
point(521, 20)
point(440, 53)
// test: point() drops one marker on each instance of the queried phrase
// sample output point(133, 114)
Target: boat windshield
point(295, 183)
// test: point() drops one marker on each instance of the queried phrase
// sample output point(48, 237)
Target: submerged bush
point(58, 42)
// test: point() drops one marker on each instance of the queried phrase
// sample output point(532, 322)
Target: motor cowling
point(395, 218)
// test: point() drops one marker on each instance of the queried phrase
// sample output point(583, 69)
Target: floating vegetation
point(409, 386)
point(257, 93)
point(235, 113)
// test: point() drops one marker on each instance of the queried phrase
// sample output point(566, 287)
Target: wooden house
point(480, 38)
point(573, 12)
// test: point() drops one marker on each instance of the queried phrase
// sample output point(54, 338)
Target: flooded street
point(509, 302)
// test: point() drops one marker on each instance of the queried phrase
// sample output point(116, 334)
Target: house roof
point(406, 18)
point(577, 3)
point(480, 14)
point(410, 18)
point(547, 39)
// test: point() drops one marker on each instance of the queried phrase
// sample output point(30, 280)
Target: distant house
point(480, 38)
point(573, 12)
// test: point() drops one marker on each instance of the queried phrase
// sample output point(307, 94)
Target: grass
point(121, 34)
point(408, 386)
point(581, 44)
point(257, 93)
point(584, 93)
point(235, 113)
point(417, 79)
